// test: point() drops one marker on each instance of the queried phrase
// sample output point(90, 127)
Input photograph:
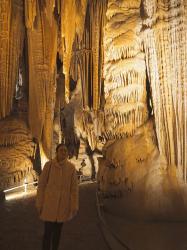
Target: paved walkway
point(20, 228)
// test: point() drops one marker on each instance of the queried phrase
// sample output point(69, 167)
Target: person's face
point(62, 153)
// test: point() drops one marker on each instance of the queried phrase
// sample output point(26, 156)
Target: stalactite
point(11, 40)
point(49, 9)
point(88, 55)
point(67, 34)
point(5, 17)
point(95, 49)
point(89, 51)
point(98, 10)
point(17, 36)
point(68, 31)
point(81, 7)
point(42, 46)
point(30, 12)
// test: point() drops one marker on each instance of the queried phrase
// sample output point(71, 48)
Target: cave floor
point(145, 234)
point(20, 228)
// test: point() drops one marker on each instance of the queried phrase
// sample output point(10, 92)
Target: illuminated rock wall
point(145, 43)
point(165, 43)
point(11, 46)
point(16, 151)
point(126, 108)
point(32, 33)
point(124, 70)
point(42, 50)
point(146, 159)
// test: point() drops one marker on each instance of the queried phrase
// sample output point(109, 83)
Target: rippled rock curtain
point(42, 50)
point(11, 46)
point(124, 70)
point(89, 56)
point(165, 43)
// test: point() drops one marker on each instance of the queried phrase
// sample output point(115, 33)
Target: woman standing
point(57, 196)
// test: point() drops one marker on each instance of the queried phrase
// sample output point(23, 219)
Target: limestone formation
point(11, 48)
point(16, 153)
point(164, 41)
point(124, 70)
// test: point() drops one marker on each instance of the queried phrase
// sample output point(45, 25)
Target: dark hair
point(60, 145)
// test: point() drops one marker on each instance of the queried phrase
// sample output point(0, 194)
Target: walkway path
point(20, 228)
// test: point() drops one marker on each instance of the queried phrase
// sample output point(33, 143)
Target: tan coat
point(57, 194)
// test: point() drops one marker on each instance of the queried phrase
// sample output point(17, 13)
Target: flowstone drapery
point(42, 50)
point(124, 70)
point(125, 88)
point(16, 151)
point(164, 39)
point(11, 46)
point(69, 27)
point(145, 60)
point(140, 175)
